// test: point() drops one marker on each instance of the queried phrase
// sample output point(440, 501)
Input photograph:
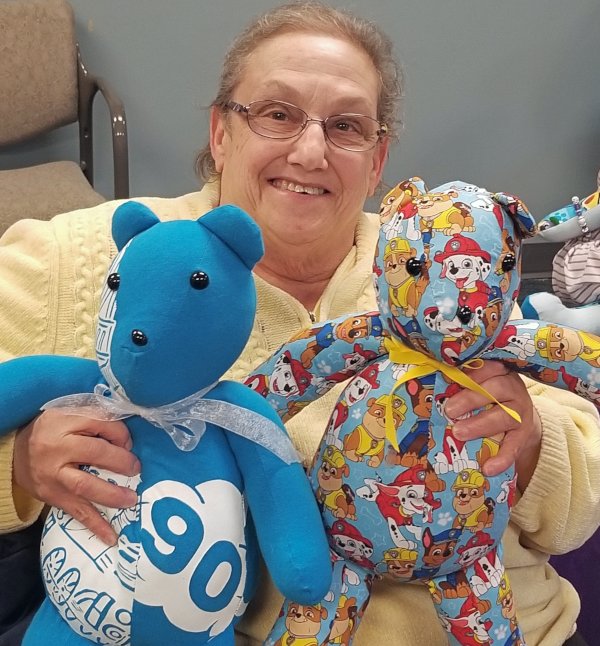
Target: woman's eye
point(279, 116)
point(347, 125)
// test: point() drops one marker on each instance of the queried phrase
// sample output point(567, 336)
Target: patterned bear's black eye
point(464, 314)
point(414, 266)
point(199, 280)
point(113, 281)
point(508, 262)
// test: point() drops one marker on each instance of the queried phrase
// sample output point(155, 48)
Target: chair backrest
point(38, 68)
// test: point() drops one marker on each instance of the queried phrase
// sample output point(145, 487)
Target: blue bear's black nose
point(139, 338)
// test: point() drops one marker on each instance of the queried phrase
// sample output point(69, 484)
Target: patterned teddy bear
point(400, 495)
point(177, 308)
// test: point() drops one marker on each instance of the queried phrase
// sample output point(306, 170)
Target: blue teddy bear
point(177, 309)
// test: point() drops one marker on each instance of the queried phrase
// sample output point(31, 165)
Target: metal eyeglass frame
point(245, 109)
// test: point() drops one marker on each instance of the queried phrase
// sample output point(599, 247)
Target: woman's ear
point(380, 156)
point(217, 134)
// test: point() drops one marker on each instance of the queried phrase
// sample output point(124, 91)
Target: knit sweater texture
point(51, 275)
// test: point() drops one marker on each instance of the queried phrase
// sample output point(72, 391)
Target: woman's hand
point(521, 442)
point(47, 456)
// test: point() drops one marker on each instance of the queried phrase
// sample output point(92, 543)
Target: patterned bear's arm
point(316, 359)
point(553, 354)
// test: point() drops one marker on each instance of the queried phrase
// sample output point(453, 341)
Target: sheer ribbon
point(185, 420)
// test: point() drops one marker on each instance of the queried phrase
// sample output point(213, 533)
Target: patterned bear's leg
point(332, 621)
point(477, 603)
point(48, 627)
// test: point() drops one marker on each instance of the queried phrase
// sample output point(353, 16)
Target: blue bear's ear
point(129, 219)
point(237, 230)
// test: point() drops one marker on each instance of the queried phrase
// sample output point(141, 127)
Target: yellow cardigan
point(50, 279)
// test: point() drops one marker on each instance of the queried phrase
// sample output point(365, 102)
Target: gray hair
point(311, 16)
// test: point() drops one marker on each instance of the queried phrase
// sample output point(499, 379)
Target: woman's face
point(300, 189)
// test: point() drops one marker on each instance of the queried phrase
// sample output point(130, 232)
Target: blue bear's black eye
point(113, 281)
point(199, 280)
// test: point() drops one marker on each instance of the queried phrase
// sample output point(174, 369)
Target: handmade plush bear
point(575, 268)
point(177, 309)
point(400, 495)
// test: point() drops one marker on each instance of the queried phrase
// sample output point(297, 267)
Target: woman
point(305, 185)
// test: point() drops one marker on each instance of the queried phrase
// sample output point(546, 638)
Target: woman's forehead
point(295, 67)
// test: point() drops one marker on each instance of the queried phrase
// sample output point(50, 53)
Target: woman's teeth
point(298, 188)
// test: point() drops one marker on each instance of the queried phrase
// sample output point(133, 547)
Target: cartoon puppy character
point(400, 563)
point(506, 600)
point(438, 549)
point(351, 542)
point(437, 212)
point(417, 443)
point(467, 265)
point(398, 206)
point(367, 439)
point(474, 511)
point(469, 628)
point(491, 316)
point(506, 261)
point(343, 623)
point(353, 362)
point(558, 343)
point(407, 277)
point(399, 501)
point(289, 378)
point(332, 493)
point(303, 624)
point(351, 328)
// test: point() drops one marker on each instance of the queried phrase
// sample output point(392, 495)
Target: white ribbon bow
point(184, 420)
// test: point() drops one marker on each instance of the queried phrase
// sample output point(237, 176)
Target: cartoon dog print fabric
point(400, 495)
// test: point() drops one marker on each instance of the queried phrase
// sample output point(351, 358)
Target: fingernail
point(110, 538)
point(137, 468)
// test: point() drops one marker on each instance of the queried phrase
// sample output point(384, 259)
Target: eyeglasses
point(281, 120)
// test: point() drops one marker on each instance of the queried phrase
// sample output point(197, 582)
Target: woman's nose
point(309, 149)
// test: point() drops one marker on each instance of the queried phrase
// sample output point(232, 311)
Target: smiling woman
point(302, 191)
point(331, 78)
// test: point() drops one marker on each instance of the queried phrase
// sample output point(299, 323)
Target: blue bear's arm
point(524, 346)
point(27, 383)
point(287, 520)
point(317, 359)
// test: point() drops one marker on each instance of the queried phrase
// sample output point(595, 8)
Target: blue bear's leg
point(347, 599)
point(477, 601)
point(48, 627)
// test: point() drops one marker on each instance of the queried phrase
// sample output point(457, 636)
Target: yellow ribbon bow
point(424, 365)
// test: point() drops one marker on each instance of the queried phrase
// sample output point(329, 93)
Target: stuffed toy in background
point(400, 495)
point(177, 309)
point(575, 268)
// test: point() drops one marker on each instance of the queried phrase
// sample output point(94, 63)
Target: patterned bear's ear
point(404, 190)
point(515, 208)
point(129, 219)
point(236, 229)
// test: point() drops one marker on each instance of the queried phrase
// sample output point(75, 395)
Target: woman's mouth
point(292, 187)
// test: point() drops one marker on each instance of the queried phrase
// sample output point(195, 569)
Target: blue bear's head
point(179, 301)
